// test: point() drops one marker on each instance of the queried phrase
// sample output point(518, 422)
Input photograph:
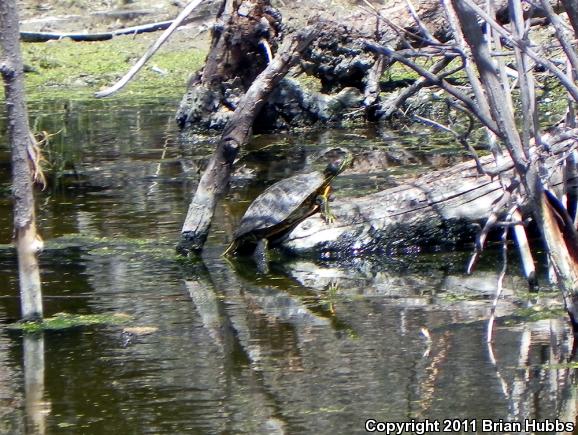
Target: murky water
point(215, 348)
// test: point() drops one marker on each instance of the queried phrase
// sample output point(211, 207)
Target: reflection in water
point(213, 347)
point(36, 407)
point(259, 415)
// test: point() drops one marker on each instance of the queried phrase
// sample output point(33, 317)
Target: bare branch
point(461, 138)
point(473, 78)
point(499, 285)
point(103, 36)
point(526, 80)
point(501, 113)
point(400, 30)
point(417, 86)
point(490, 224)
point(419, 22)
point(435, 80)
point(546, 63)
point(571, 7)
point(561, 34)
point(152, 50)
point(524, 248)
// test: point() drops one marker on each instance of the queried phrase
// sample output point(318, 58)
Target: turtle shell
point(280, 206)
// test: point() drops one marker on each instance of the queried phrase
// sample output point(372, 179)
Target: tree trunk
point(24, 162)
point(244, 36)
point(215, 179)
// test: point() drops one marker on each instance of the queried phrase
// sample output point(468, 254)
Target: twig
point(491, 223)
point(461, 138)
point(499, 285)
point(415, 87)
point(400, 30)
point(546, 63)
point(435, 80)
point(561, 35)
point(419, 22)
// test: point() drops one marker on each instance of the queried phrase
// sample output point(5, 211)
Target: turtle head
point(338, 165)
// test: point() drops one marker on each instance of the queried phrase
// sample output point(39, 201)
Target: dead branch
point(152, 50)
point(437, 81)
point(497, 211)
point(460, 138)
point(530, 128)
point(524, 248)
point(236, 134)
point(571, 7)
point(91, 37)
point(561, 34)
point(546, 63)
point(414, 88)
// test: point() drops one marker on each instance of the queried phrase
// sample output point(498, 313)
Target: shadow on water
point(213, 346)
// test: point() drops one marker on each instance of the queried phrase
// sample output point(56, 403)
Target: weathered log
point(217, 174)
point(335, 58)
point(440, 210)
point(436, 209)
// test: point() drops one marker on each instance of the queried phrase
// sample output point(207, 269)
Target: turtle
point(283, 205)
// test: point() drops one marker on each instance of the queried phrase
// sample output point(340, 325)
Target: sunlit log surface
point(436, 211)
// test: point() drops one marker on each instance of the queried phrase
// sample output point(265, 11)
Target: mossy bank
point(79, 69)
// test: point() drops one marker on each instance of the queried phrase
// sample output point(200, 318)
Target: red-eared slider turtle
point(284, 204)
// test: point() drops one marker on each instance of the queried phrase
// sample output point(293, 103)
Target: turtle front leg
point(323, 201)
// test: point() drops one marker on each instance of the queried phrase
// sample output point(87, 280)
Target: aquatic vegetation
point(538, 312)
point(68, 320)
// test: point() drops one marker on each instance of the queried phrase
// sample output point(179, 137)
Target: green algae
point(65, 67)
point(66, 321)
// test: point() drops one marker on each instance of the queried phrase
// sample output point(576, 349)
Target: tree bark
point(23, 153)
point(571, 8)
point(243, 36)
point(215, 179)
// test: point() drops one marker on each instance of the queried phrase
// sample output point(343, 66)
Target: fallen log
point(335, 59)
point(440, 210)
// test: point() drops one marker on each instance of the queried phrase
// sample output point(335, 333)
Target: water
point(215, 348)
